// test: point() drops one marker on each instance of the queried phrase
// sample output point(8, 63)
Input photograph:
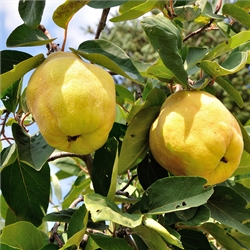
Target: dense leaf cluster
point(120, 198)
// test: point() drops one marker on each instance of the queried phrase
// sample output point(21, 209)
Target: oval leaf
point(237, 13)
point(103, 209)
point(166, 40)
point(27, 236)
point(63, 14)
point(32, 150)
point(175, 193)
point(31, 12)
point(235, 62)
point(24, 35)
point(109, 56)
point(231, 90)
point(135, 144)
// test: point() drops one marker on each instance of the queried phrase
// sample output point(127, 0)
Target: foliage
point(120, 197)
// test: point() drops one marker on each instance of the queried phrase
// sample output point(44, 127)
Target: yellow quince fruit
point(73, 103)
point(195, 135)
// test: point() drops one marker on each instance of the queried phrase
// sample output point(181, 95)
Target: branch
point(2, 132)
point(200, 30)
point(86, 158)
point(102, 22)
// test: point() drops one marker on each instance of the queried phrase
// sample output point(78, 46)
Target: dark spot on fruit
point(223, 159)
point(72, 138)
point(132, 135)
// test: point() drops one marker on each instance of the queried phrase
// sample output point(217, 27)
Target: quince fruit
point(195, 135)
point(73, 103)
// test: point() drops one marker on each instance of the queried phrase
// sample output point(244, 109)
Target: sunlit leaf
point(10, 77)
point(124, 93)
point(174, 194)
point(26, 191)
point(152, 239)
point(138, 10)
point(23, 235)
point(103, 209)
point(63, 14)
point(109, 56)
point(228, 45)
point(229, 208)
point(244, 166)
point(77, 227)
point(237, 13)
point(24, 35)
point(32, 150)
point(8, 155)
point(31, 12)
point(156, 226)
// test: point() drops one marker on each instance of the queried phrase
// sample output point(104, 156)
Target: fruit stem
point(65, 37)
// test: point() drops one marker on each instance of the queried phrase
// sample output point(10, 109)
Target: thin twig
point(2, 132)
point(102, 22)
point(86, 158)
point(200, 30)
point(75, 202)
point(129, 182)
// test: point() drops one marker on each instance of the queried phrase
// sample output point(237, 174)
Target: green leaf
point(63, 14)
point(8, 156)
point(231, 90)
point(102, 4)
point(229, 208)
point(23, 235)
point(149, 171)
point(124, 93)
point(246, 136)
point(10, 77)
point(156, 226)
point(201, 215)
point(235, 62)
point(10, 58)
point(243, 239)
point(109, 56)
point(237, 13)
point(32, 150)
point(103, 209)
point(81, 186)
point(188, 12)
point(63, 215)
point(175, 193)
point(105, 242)
point(135, 144)
point(77, 227)
point(244, 166)
point(104, 169)
point(226, 29)
point(24, 35)
point(166, 40)
point(191, 239)
point(138, 10)
point(160, 71)
point(221, 236)
point(7, 247)
point(31, 12)
point(26, 191)
point(152, 239)
point(11, 96)
point(228, 45)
